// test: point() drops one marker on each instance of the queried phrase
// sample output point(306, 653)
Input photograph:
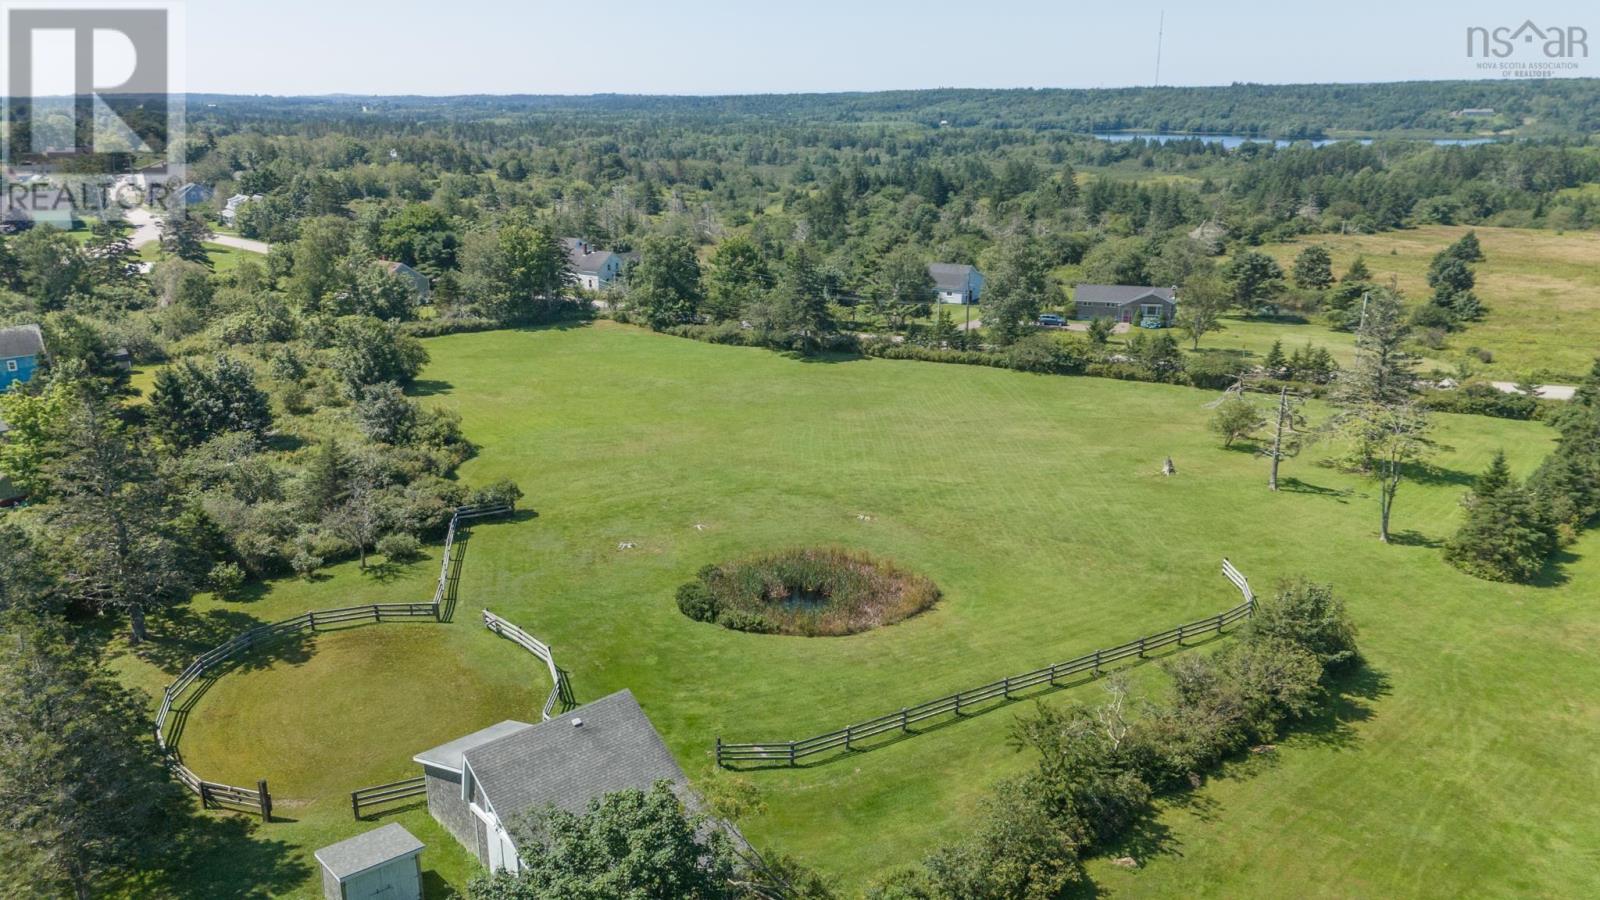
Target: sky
point(727, 47)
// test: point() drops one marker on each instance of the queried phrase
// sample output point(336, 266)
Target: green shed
point(383, 864)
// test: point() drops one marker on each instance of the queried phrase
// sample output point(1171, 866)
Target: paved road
point(239, 243)
point(147, 230)
point(1547, 391)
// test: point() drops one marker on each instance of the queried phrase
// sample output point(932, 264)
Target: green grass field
point(1463, 765)
point(1542, 290)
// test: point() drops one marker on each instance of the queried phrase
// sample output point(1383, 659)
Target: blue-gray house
point(21, 350)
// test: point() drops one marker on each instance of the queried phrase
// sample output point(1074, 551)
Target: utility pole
point(1161, 30)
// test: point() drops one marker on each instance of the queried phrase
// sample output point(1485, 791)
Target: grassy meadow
point(1541, 288)
point(1461, 764)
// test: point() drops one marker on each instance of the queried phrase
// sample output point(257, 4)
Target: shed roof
point(950, 276)
point(448, 756)
point(21, 340)
point(1119, 293)
point(368, 851)
point(563, 764)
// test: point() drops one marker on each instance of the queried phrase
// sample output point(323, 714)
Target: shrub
point(426, 328)
point(399, 547)
point(1236, 418)
point(503, 492)
point(1308, 614)
point(1481, 399)
point(225, 580)
point(304, 562)
point(696, 602)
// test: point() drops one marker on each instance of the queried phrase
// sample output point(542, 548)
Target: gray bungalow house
point(479, 784)
point(1134, 304)
point(956, 283)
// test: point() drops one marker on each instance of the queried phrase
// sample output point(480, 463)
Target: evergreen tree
point(194, 403)
point(1313, 268)
point(83, 791)
point(108, 519)
point(1466, 249)
point(1254, 278)
point(1384, 373)
point(1506, 536)
point(1275, 363)
point(1358, 272)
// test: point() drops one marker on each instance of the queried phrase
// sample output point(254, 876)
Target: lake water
point(1231, 141)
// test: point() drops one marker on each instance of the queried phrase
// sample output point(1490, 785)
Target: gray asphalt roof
point(364, 851)
point(1118, 293)
point(585, 263)
point(557, 763)
point(21, 340)
point(950, 276)
point(448, 756)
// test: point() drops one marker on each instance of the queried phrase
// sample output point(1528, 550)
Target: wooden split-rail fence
point(216, 795)
point(558, 679)
point(362, 801)
point(789, 753)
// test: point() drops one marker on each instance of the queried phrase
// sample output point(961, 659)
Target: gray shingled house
point(479, 784)
point(1134, 304)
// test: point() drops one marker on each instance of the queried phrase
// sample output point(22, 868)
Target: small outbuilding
point(383, 864)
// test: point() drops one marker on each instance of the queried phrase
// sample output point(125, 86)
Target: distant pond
point(1231, 141)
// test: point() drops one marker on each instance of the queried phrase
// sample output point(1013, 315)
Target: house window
point(11, 365)
point(1150, 311)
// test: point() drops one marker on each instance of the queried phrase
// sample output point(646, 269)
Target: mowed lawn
point(1542, 290)
point(1037, 504)
point(1464, 764)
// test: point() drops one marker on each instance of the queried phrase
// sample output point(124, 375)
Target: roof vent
point(577, 723)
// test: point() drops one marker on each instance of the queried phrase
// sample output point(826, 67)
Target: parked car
point(1051, 320)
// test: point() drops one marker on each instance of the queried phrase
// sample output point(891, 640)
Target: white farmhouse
point(593, 269)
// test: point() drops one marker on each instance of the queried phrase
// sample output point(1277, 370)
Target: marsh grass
point(808, 592)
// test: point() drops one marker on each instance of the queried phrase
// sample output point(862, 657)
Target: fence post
point(1141, 648)
point(848, 730)
point(1180, 635)
point(958, 703)
point(719, 751)
point(1097, 664)
point(1005, 689)
point(266, 800)
point(313, 616)
point(1219, 623)
point(205, 796)
point(1053, 674)
point(905, 719)
point(791, 753)
point(376, 617)
point(355, 806)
